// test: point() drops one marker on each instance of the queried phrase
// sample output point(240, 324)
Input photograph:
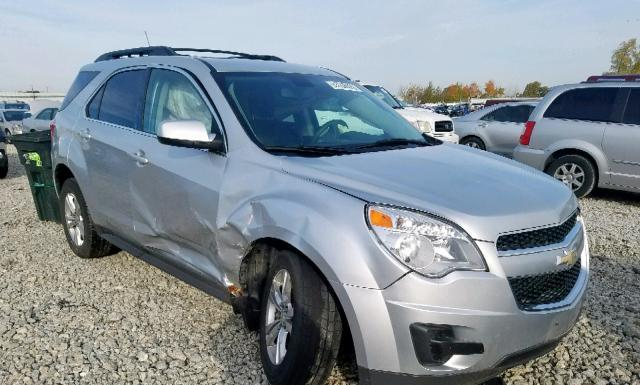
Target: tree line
point(624, 60)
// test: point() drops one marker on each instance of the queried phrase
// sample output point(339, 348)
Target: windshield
point(298, 110)
point(385, 95)
point(12, 116)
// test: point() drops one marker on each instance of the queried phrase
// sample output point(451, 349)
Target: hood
point(413, 114)
point(483, 193)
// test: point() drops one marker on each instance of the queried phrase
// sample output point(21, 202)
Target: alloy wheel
point(571, 174)
point(279, 317)
point(74, 219)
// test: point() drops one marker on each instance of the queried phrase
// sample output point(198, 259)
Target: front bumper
point(479, 307)
point(446, 137)
point(532, 157)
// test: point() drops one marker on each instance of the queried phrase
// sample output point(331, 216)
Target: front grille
point(444, 126)
point(544, 289)
point(537, 238)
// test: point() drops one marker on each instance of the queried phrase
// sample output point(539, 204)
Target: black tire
point(587, 181)
point(4, 165)
point(92, 246)
point(316, 331)
point(473, 141)
point(7, 135)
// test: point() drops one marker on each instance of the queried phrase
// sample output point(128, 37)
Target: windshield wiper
point(397, 107)
point(395, 142)
point(310, 150)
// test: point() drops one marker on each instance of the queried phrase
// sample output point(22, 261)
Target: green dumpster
point(34, 152)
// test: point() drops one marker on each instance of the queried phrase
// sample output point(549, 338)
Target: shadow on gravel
point(622, 197)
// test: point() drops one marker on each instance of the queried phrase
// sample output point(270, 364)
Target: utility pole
point(147, 36)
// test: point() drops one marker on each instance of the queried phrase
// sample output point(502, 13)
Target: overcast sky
point(393, 43)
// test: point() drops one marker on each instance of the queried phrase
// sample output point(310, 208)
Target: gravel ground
point(118, 320)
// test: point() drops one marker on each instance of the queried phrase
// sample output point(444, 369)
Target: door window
point(632, 112)
point(81, 81)
point(171, 96)
point(502, 114)
point(122, 99)
point(592, 104)
point(46, 114)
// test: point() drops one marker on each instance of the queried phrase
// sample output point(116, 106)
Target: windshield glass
point(12, 116)
point(300, 110)
point(384, 95)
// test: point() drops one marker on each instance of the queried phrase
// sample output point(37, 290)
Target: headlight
point(422, 125)
point(423, 243)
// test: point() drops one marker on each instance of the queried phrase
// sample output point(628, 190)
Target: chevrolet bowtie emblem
point(569, 258)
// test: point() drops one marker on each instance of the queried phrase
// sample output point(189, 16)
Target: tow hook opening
point(435, 344)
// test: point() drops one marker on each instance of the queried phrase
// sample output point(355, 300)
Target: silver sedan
point(496, 128)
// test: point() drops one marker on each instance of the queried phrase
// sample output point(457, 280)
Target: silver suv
point(443, 264)
point(587, 134)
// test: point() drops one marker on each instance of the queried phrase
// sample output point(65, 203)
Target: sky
point(393, 43)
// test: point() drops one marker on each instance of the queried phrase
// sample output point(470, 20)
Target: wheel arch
point(61, 173)
point(598, 161)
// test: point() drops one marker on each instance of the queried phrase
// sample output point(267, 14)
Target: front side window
point(46, 114)
point(123, 99)
point(632, 112)
point(591, 104)
point(502, 114)
point(171, 96)
point(301, 110)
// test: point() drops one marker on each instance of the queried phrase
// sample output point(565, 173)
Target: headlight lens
point(423, 243)
point(422, 125)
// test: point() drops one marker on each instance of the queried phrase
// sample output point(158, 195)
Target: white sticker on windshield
point(343, 86)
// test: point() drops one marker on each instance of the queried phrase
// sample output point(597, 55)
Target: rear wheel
point(473, 142)
point(576, 172)
point(300, 325)
point(79, 229)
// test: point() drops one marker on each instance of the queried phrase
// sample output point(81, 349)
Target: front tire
point(300, 325)
point(576, 172)
point(79, 229)
point(473, 142)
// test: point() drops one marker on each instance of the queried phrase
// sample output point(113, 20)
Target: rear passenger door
point(175, 194)
point(109, 137)
point(622, 144)
point(503, 127)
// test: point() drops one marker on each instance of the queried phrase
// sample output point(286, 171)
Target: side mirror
point(188, 133)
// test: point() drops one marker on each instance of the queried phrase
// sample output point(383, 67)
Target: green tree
point(535, 90)
point(626, 58)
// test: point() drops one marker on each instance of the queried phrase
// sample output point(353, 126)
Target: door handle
point(85, 134)
point(140, 157)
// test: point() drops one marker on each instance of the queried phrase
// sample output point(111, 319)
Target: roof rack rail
point(613, 78)
point(169, 51)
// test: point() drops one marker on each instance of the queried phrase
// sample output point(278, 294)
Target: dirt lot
point(118, 320)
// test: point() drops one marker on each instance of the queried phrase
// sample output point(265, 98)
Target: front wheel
point(576, 172)
point(300, 325)
point(473, 142)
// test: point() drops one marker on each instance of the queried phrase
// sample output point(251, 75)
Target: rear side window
point(592, 104)
point(123, 99)
point(632, 113)
point(83, 78)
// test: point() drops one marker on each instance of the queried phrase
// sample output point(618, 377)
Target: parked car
point(4, 161)
point(40, 119)
point(461, 109)
point(16, 105)
point(496, 129)
point(431, 123)
point(442, 109)
point(440, 263)
point(587, 135)
point(10, 121)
